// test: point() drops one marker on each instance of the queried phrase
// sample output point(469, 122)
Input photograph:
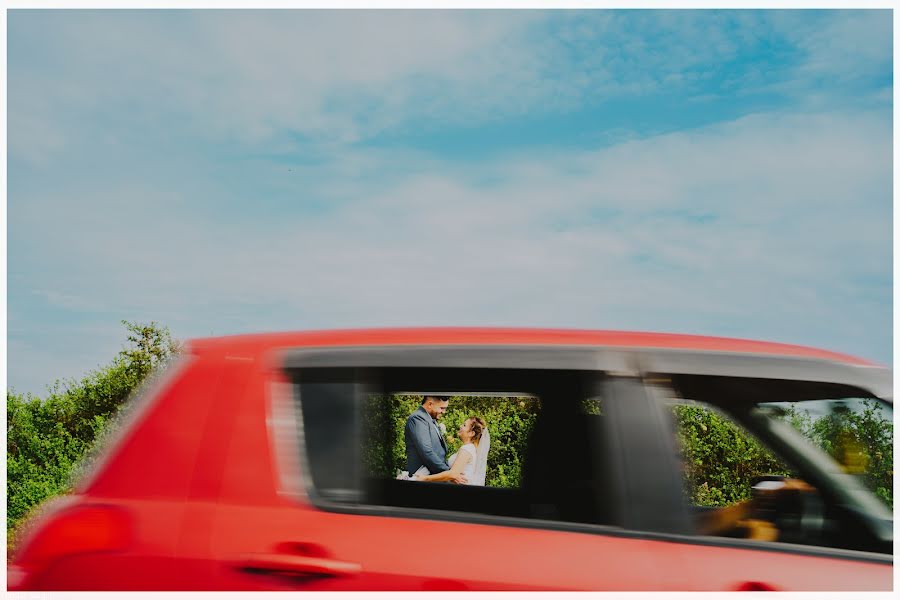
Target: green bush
point(509, 422)
point(861, 441)
point(49, 440)
point(720, 460)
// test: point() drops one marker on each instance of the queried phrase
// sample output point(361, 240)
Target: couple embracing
point(426, 447)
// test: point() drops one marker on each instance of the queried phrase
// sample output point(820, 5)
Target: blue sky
point(713, 172)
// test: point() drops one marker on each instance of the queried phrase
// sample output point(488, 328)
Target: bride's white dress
point(468, 471)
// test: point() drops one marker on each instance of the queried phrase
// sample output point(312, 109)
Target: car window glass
point(743, 479)
point(329, 420)
point(509, 419)
point(542, 463)
point(857, 432)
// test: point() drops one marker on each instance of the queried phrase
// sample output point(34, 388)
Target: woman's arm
point(454, 474)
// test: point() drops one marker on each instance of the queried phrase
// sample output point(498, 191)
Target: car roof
point(252, 344)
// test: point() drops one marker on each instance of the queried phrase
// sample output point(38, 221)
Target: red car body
point(203, 490)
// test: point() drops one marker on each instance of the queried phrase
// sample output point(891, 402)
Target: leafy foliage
point(49, 440)
point(862, 441)
point(720, 459)
point(509, 421)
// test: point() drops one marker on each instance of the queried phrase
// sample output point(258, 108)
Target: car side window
point(748, 474)
point(330, 420)
point(541, 456)
point(858, 433)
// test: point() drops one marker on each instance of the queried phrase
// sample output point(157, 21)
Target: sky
point(708, 172)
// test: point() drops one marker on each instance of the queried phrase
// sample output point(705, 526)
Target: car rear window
point(544, 431)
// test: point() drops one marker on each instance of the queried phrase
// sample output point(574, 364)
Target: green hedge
point(862, 441)
point(509, 422)
point(50, 440)
point(720, 460)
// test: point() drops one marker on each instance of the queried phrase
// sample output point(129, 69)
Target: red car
point(247, 465)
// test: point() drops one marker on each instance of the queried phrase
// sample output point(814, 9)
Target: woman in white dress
point(471, 459)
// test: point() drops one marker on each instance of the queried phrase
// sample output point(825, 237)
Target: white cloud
point(337, 77)
point(852, 44)
point(773, 226)
point(799, 202)
point(248, 75)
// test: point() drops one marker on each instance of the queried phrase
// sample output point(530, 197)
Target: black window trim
point(629, 362)
point(612, 359)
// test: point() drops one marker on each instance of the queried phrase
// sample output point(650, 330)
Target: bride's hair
point(478, 426)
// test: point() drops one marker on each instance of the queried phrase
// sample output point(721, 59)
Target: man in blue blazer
point(425, 444)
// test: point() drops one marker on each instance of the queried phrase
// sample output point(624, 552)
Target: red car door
point(717, 567)
point(264, 534)
point(706, 563)
point(288, 547)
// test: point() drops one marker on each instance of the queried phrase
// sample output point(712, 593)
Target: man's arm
point(421, 437)
point(454, 474)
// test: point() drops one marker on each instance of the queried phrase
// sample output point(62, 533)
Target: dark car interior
point(562, 469)
point(555, 487)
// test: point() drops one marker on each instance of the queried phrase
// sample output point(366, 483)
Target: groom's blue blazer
point(424, 444)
